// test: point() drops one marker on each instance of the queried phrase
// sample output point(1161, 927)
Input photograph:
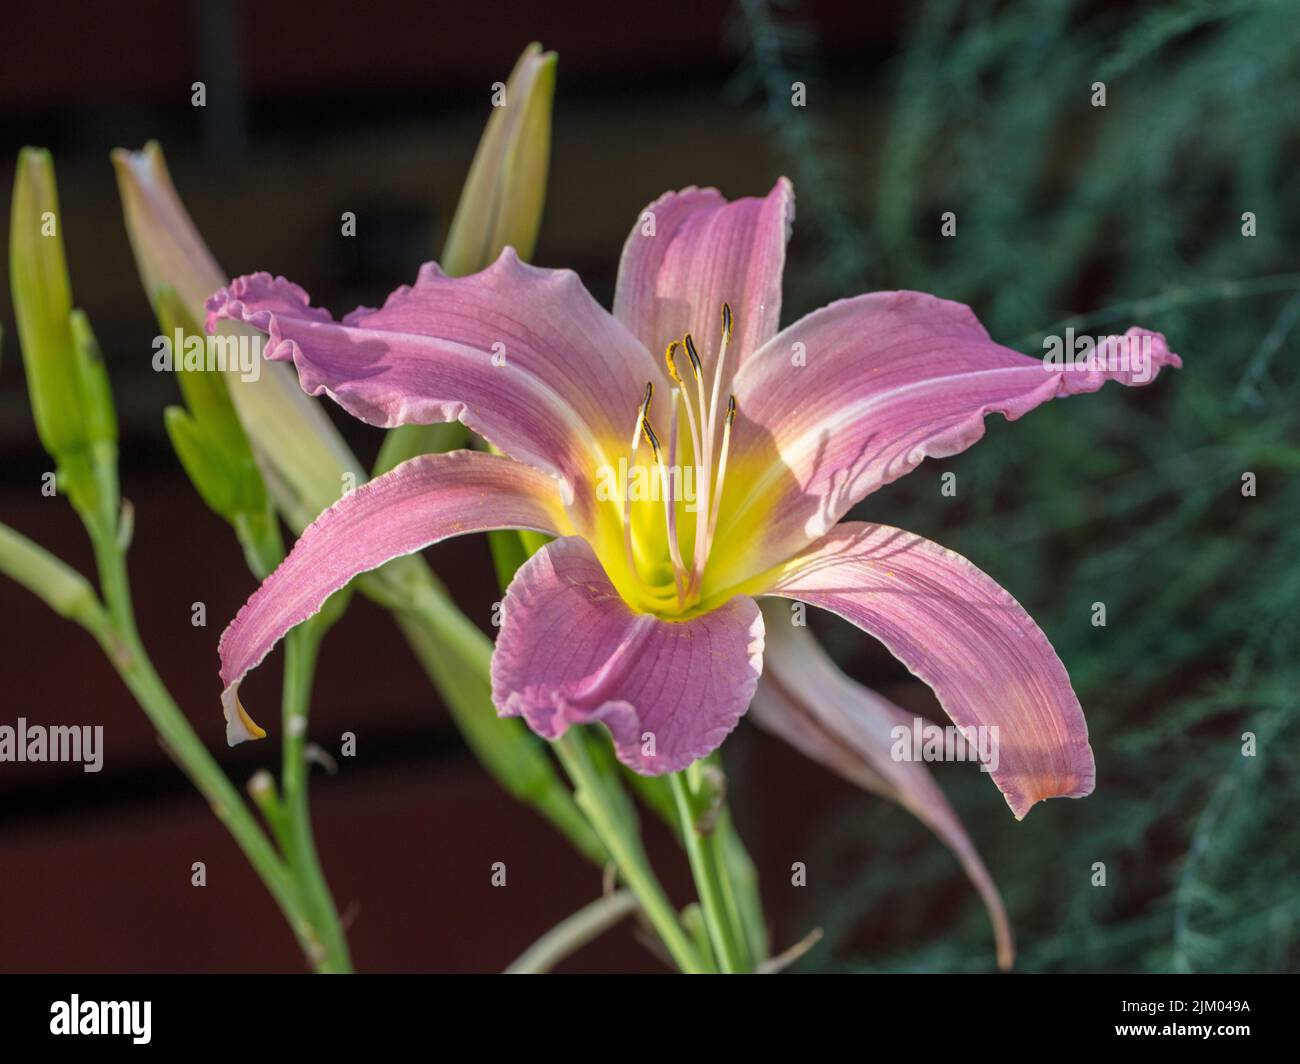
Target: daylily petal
point(955, 628)
point(430, 498)
point(806, 700)
point(523, 356)
point(858, 393)
point(572, 652)
point(691, 251)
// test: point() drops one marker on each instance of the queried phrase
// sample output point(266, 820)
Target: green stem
point(602, 805)
point(116, 633)
point(741, 877)
point(457, 656)
point(706, 868)
point(571, 934)
point(301, 648)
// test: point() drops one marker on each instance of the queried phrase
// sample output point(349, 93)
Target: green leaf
point(213, 447)
point(208, 472)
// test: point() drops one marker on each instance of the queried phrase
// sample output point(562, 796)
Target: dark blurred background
point(1123, 214)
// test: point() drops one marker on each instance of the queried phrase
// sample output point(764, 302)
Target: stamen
point(717, 370)
point(669, 357)
point(703, 456)
point(710, 429)
point(673, 396)
point(702, 420)
point(695, 444)
point(701, 474)
point(642, 411)
point(670, 508)
point(722, 473)
point(694, 356)
point(651, 438)
point(672, 361)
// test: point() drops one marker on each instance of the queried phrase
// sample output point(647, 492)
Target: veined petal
point(691, 251)
point(955, 628)
point(430, 498)
point(572, 652)
point(806, 700)
point(858, 393)
point(523, 356)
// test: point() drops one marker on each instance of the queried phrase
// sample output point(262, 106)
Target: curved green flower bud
point(303, 458)
point(72, 403)
point(99, 418)
point(42, 298)
point(501, 204)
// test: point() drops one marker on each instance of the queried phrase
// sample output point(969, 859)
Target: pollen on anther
point(672, 363)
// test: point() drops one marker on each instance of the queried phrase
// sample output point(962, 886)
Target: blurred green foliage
point(1130, 214)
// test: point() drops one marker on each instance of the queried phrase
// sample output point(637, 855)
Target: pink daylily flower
point(641, 614)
